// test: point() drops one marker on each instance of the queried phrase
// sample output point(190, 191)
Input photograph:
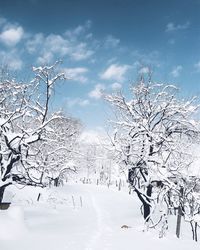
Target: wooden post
point(38, 198)
point(81, 201)
point(73, 201)
point(120, 183)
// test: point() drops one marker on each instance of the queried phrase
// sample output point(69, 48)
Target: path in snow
point(95, 226)
point(103, 231)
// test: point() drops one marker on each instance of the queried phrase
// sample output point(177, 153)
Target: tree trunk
point(2, 190)
point(147, 206)
point(178, 224)
point(56, 182)
point(146, 211)
point(180, 214)
point(146, 202)
point(191, 224)
point(195, 231)
point(41, 177)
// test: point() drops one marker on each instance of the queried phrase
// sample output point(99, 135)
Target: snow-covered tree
point(153, 134)
point(24, 119)
point(56, 155)
point(96, 158)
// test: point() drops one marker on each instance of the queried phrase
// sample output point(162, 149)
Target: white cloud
point(58, 46)
point(73, 34)
point(172, 27)
point(16, 63)
point(80, 52)
point(115, 72)
point(35, 42)
point(111, 42)
point(144, 70)
point(152, 58)
point(89, 36)
point(46, 57)
point(12, 59)
point(116, 86)
point(176, 71)
point(72, 43)
point(47, 48)
point(77, 102)
point(11, 36)
point(96, 93)
point(76, 74)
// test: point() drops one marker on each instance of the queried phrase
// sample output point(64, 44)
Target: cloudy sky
point(104, 45)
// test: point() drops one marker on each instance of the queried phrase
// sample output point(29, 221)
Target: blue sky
point(104, 45)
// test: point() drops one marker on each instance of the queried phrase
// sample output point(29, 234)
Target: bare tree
point(56, 155)
point(24, 118)
point(152, 130)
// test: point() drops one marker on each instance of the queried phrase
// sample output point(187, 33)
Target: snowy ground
point(90, 220)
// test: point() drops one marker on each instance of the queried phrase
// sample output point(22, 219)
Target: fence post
point(38, 198)
point(73, 201)
point(81, 201)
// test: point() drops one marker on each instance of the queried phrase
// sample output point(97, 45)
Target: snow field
point(54, 223)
